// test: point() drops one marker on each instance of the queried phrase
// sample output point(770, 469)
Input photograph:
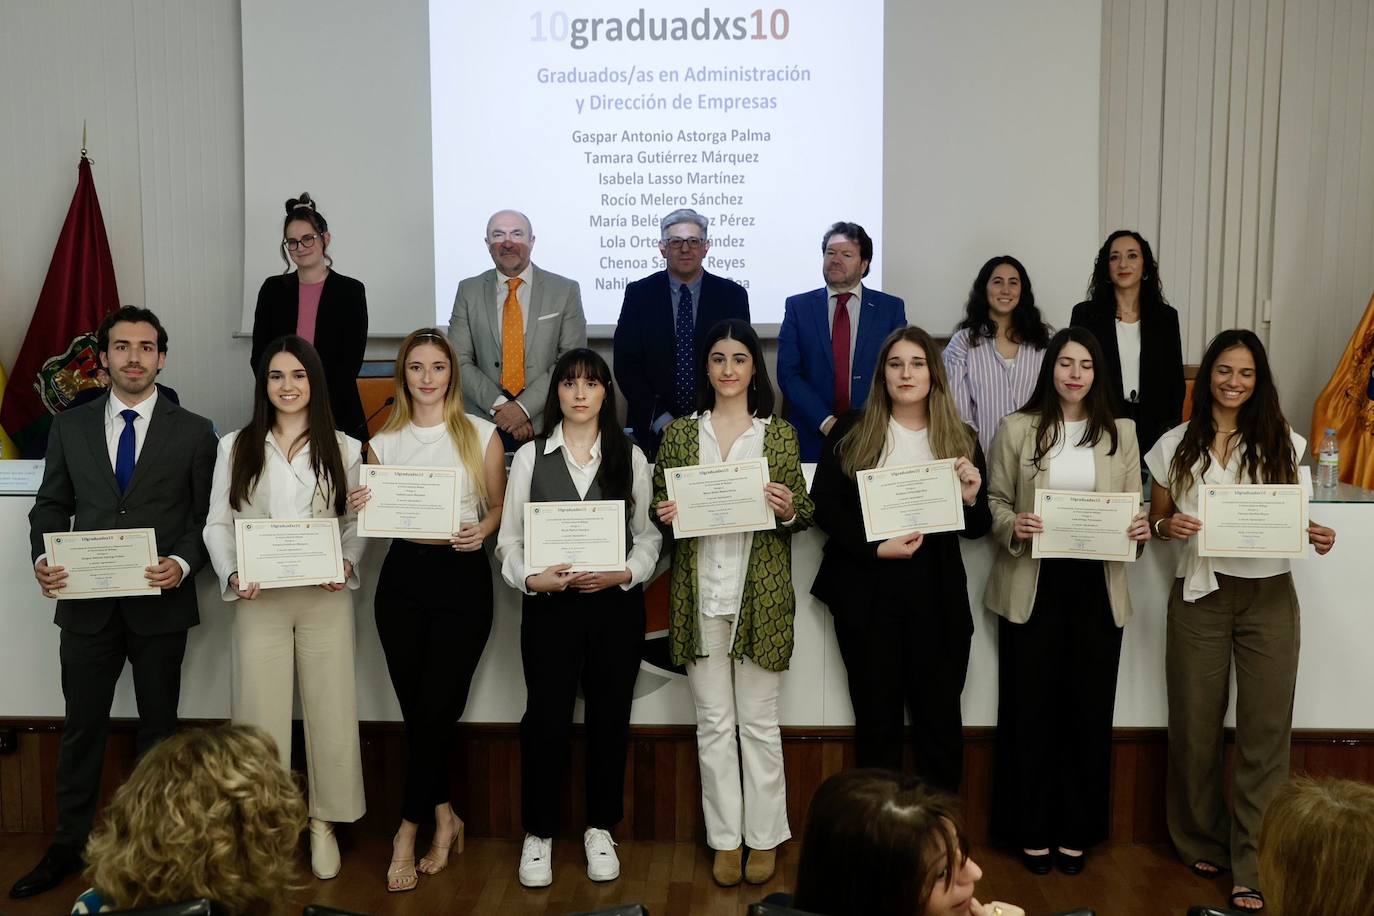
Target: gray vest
point(551, 482)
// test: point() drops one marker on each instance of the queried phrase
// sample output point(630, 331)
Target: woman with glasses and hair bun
point(319, 304)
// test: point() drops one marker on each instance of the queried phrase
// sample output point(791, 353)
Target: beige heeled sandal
point(431, 863)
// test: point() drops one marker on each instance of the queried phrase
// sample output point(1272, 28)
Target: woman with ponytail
point(318, 304)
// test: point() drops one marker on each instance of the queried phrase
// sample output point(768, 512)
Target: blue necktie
point(124, 456)
point(683, 389)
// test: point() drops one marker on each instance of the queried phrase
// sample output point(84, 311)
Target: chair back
point(201, 907)
point(628, 909)
point(317, 909)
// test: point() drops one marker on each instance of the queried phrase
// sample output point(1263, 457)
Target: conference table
point(1335, 680)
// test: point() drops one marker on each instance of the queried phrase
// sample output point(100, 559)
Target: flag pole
point(83, 138)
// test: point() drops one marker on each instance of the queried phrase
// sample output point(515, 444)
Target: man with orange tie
point(830, 338)
point(509, 326)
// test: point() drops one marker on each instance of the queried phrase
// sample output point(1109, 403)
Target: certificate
point(725, 498)
point(590, 535)
point(104, 564)
point(410, 502)
point(280, 553)
point(1252, 520)
point(913, 497)
point(1083, 525)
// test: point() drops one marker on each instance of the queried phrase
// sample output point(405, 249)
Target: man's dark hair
point(133, 314)
point(855, 233)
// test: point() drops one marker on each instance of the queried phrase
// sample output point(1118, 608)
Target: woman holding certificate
point(731, 602)
point(278, 506)
point(1059, 639)
point(900, 602)
point(1238, 603)
point(577, 540)
point(433, 637)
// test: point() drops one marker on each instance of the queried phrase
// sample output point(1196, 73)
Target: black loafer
point(1037, 865)
point(57, 865)
point(1069, 865)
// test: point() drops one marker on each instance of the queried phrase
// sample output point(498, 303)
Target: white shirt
point(1071, 464)
point(510, 542)
point(1199, 573)
point(723, 559)
point(291, 489)
point(905, 446)
point(1128, 345)
point(432, 447)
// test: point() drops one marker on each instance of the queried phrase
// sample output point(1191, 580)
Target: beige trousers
point(307, 630)
point(1256, 621)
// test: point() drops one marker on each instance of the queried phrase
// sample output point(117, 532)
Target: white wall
point(158, 84)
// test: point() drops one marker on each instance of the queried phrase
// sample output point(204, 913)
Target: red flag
point(59, 358)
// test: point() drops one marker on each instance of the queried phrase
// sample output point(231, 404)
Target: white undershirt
point(905, 446)
point(432, 447)
point(1128, 345)
point(723, 559)
point(1071, 464)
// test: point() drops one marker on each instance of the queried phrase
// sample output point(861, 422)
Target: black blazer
point(169, 492)
point(340, 337)
point(1162, 385)
point(645, 344)
point(852, 575)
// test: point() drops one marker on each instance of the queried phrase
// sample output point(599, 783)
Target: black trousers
point(1056, 695)
point(91, 665)
point(904, 654)
point(434, 610)
point(567, 639)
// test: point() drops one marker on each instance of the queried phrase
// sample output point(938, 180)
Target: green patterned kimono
point(764, 630)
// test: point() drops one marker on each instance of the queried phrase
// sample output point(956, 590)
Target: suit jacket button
point(123, 511)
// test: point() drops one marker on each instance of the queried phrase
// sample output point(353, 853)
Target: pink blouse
point(308, 309)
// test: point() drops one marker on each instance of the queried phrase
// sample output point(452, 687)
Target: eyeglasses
point(677, 244)
point(305, 241)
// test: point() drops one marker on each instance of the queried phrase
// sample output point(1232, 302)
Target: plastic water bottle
point(1329, 461)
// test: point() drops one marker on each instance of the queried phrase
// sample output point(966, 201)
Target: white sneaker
point(602, 862)
point(536, 861)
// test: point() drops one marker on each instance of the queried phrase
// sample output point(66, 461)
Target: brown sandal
point(431, 863)
point(401, 876)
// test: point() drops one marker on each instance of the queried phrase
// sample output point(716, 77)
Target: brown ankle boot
point(726, 868)
point(762, 864)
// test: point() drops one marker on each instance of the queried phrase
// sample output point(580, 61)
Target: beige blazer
point(1012, 481)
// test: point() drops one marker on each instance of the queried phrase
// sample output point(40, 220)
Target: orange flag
point(1345, 405)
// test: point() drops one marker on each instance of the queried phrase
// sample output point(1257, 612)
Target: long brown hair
point(862, 447)
point(460, 429)
point(249, 454)
point(1267, 454)
point(876, 842)
point(1043, 403)
point(1316, 847)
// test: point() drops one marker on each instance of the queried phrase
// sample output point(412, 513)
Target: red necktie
point(839, 349)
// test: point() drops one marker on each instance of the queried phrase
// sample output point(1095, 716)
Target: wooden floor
point(669, 878)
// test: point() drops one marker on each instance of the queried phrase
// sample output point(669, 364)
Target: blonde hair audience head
point(1316, 849)
point(210, 812)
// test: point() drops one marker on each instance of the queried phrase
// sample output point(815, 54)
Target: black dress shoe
point(1069, 865)
point(57, 864)
point(1037, 865)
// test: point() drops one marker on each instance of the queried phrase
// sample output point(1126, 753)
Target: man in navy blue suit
point(662, 324)
point(840, 326)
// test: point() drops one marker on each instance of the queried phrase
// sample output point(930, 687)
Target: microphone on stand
point(372, 416)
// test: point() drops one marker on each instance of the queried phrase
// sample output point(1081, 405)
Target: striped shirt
point(985, 388)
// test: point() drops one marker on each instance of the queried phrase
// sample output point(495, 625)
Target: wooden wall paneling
point(31, 784)
point(11, 793)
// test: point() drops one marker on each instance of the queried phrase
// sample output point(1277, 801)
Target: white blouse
point(510, 542)
point(432, 447)
point(905, 446)
point(1199, 574)
point(1128, 346)
point(723, 559)
point(291, 486)
point(1071, 464)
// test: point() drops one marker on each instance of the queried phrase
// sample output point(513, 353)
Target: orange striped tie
point(512, 341)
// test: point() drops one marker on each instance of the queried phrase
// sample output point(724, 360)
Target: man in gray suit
point(132, 458)
point(506, 376)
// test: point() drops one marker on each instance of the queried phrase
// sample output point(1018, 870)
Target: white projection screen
point(951, 131)
point(598, 121)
